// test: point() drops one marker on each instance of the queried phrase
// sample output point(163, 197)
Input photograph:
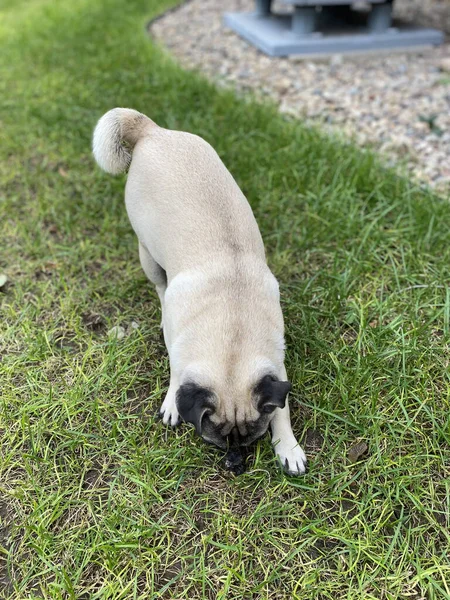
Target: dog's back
point(179, 189)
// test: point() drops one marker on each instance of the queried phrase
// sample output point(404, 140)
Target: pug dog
point(200, 245)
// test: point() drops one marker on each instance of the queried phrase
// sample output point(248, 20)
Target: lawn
point(98, 499)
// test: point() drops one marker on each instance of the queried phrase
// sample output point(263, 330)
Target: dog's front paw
point(292, 458)
point(169, 410)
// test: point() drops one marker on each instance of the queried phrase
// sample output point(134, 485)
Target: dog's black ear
point(193, 403)
point(272, 393)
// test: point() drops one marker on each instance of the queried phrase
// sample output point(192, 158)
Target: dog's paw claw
point(169, 412)
point(170, 418)
point(293, 460)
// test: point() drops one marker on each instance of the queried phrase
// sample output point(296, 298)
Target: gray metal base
point(274, 36)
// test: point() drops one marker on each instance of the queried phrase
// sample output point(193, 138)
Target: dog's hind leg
point(155, 273)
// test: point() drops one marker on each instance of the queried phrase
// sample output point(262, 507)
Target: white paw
point(169, 410)
point(292, 458)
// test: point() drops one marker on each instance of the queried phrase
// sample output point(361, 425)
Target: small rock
point(444, 65)
point(283, 85)
point(134, 325)
point(357, 451)
point(336, 59)
point(3, 280)
point(117, 331)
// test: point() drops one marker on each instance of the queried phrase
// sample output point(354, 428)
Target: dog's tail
point(115, 136)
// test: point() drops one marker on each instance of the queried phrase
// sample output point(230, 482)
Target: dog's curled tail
point(115, 136)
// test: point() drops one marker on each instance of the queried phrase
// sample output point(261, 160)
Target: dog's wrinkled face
point(198, 405)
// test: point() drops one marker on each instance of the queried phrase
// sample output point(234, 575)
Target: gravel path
point(400, 103)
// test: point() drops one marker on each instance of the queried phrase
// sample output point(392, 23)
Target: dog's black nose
point(234, 439)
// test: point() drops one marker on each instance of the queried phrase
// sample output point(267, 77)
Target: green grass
point(98, 500)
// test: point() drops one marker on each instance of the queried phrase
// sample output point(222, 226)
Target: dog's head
point(204, 408)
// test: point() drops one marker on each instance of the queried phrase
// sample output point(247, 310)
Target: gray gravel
point(397, 102)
